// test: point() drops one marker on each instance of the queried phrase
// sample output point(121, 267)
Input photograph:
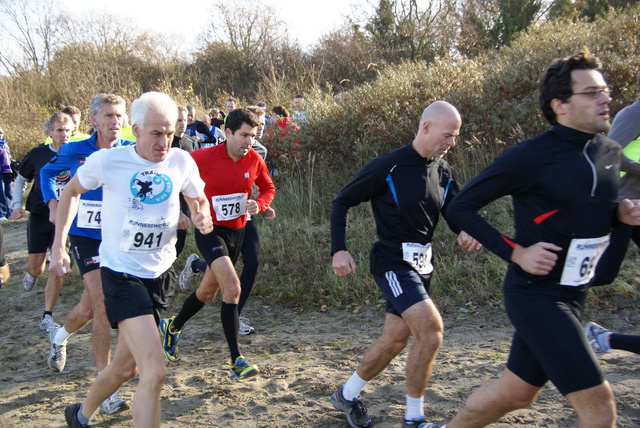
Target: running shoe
point(47, 323)
point(418, 424)
point(596, 335)
point(245, 329)
point(28, 281)
point(187, 274)
point(57, 353)
point(169, 339)
point(242, 370)
point(113, 404)
point(71, 416)
point(356, 412)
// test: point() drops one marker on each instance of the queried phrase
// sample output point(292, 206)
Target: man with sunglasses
point(564, 185)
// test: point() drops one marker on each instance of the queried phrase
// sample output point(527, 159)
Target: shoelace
point(359, 409)
point(57, 355)
point(115, 397)
point(173, 339)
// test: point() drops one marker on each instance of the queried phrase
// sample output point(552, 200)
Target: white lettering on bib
point(581, 261)
point(144, 235)
point(418, 256)
point(229, 207)
point(90, 214)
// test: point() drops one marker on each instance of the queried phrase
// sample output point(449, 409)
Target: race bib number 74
point(90, 214)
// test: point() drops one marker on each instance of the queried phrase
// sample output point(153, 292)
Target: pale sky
point(307, 20)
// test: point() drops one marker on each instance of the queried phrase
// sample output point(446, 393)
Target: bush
point(496, 94)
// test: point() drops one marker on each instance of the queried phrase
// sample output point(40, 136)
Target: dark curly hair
point(556, 81)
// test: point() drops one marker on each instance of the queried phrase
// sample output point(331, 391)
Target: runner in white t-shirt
point(139, 221)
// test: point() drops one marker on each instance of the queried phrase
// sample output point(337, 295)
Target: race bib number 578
point(229, 207)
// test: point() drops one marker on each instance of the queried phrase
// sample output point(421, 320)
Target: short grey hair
point(57, 117)
point(101, 99)
point(156, 101)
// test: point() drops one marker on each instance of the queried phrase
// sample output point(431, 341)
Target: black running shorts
point(40, 233)
point(87, 253)
point(127, 296)
point(549, 342)
point(223, 241)
point(403, 289)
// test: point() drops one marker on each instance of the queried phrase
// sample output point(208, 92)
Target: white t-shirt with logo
point(140, 206)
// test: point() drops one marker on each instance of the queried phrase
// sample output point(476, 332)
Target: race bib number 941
point(144, 235)
point(418, 256)
point(581, 261)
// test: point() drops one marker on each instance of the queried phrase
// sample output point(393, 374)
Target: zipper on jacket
point(593, 168)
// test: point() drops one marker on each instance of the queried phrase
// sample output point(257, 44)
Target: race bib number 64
point(581, 261)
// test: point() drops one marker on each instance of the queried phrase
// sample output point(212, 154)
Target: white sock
point(415, 409)
point(353, 387)
point(61, 336)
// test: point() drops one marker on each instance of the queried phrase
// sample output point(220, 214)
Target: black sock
point(190, 307)
point(50, 313)
point(230, 325)
point(198, 265)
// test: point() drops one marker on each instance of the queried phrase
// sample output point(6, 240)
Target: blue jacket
point(71, 157)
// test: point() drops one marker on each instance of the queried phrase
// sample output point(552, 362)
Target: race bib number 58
point(581, 261)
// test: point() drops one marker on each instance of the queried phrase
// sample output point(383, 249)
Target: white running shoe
point(187, 274)
point(244, 328)
point(113, 404)
point(57, 353)
point(28, 282)
point(596, 335)
point(47, 323)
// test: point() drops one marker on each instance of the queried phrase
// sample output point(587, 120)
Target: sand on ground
point(303, 358)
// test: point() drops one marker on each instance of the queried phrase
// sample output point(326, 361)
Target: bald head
point(439, 126)
point(440, 110)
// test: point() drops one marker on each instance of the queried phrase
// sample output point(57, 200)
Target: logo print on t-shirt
point(151, 187)
point(64, 176)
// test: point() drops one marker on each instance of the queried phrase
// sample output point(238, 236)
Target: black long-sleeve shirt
point(30, 169)
point(407, 194)
point(564, 185)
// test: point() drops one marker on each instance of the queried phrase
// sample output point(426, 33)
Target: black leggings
point(625, 342)
point(250, 252)
point(182, 238)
